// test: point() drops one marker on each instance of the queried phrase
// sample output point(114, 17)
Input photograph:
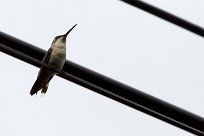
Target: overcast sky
point(114, 39)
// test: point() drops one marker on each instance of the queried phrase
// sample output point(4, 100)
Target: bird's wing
point(38, 85)
point(46, 58)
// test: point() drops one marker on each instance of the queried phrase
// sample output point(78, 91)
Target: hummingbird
point(55, 57)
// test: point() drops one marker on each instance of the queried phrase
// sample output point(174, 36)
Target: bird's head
point(62, 38)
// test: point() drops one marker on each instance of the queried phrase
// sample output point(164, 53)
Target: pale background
point(114, 39)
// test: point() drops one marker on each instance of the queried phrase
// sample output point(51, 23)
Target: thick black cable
point(166, 16)
point(106, 86)
point(16, 53)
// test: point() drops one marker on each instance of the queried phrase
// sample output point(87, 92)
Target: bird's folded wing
point(46, 58)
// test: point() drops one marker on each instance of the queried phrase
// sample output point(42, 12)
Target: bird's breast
point(58, 57)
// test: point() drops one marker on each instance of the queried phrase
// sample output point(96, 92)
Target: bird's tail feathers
point(36, 87)
point(44, 89)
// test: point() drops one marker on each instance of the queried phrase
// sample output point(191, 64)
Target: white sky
point(111, 38)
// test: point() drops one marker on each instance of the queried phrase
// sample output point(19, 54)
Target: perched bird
point(55, 57)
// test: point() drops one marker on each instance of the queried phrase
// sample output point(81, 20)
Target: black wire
point(107, 87)
point(166, 16)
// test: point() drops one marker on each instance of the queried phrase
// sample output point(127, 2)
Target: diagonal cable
point(107, 87)
point(166, 16)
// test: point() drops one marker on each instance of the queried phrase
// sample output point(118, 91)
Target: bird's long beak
point(69, 31)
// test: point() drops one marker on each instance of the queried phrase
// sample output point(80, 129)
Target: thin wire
point(166, 16)
point(33, 60)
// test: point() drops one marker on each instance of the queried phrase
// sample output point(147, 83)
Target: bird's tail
point(44, 89)
point(36, 87)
